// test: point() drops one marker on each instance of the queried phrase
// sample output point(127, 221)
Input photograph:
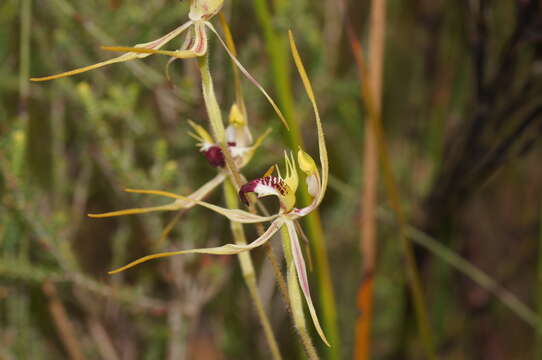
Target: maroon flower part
point(267, 185)
point(215, 156)
point(247, 188)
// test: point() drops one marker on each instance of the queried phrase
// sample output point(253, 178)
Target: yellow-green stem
point(278, 53)
point(237, 179)
point(247, 268)
point(217, 126)
point(296, 300)
point(209, 97)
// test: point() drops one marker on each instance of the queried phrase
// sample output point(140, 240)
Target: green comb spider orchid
point(195, 45)
point(240, 145)
point(284, 188)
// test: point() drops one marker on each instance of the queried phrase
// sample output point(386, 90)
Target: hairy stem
point(247, 268)
point(296, 300)
point(259, 227)
point(209, 97)
point(278, 53)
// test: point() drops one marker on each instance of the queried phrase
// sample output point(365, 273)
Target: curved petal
point(228, 249)
point(247, 74)
point(176, 205)
point(321, 140)
point(179, 54)
point(155, 44)
point(232, 214)
point(301, 270)
point(168, 207)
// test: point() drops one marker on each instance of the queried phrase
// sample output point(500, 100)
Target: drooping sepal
point(297, 256)
point(318, 184)
point(137, 52)
point(233, 214)
point(176, 205)
point(228, 249)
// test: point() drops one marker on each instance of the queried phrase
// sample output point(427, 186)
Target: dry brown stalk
point(368, 227)
point(63, 323)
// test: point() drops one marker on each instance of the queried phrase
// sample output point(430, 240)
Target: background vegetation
point(461, 111)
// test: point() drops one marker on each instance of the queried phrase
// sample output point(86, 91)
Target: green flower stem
point(278, 53)
point(231, 165)
point(296, 300)
point(218, 128)
point(209, 97)
point(247, 269)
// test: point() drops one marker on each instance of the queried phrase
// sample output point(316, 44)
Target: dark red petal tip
point(247, 188)
point(215, 157)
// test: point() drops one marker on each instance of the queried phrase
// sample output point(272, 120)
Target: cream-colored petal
point(169, 207)
point(202, 134)
point(297, 256)
point(228, 249)
point(179, 54)
point(155, 44)
point(176, 205)
point(232, 214)
point(321, 140)
point(248, 75)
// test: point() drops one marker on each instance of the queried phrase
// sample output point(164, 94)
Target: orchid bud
point(237, 131)
point(236, 118)
point(306, 163)
point(308, 166)
point(204, 9)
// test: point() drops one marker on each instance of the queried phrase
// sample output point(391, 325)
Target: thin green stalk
point(296, 300)
point(209, 97)
point(247, 267)
point(476, 275)
point(249, 274)
point(240, 101)
point(278, 53)
point(217, 127)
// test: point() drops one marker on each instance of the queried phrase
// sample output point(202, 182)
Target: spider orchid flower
point(194, 45)
point(238, 139)
point(241, 154)
point(284, 188)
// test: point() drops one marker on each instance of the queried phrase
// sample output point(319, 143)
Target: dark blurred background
point(462, 116)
